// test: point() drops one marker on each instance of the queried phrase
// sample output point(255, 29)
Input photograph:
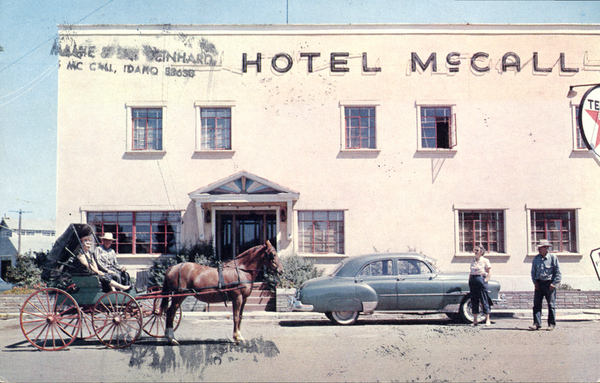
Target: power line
point(53, 37)
point(49, 72)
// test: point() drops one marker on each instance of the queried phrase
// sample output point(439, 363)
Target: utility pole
point(20, 214)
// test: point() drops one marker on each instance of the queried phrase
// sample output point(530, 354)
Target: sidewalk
point(561, 315)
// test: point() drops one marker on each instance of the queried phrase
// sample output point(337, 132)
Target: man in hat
point(545, 274)
point(107, 259)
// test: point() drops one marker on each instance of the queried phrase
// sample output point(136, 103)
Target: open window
point(437, 127)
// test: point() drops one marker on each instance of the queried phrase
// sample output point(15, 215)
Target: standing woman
point(478, 284)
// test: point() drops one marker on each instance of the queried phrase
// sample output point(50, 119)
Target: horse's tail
point(166, 290)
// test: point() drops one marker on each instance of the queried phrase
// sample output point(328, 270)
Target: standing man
point(545, 274)
point(107, 259)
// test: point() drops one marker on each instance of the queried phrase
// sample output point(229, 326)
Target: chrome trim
point(369, 307)
point(297, 305)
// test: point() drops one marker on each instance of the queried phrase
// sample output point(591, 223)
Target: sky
point(29, 72)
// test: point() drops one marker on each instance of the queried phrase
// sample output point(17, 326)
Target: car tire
point(465, 311)
point(343, 317)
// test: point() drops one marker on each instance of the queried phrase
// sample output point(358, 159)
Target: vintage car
point(388, 282)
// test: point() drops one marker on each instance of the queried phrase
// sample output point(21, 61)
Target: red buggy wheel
point(50, 319)
point(117, 319)
point(155, 323)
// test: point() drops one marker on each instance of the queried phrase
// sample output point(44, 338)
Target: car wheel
point(344, 317)
point(466, 311)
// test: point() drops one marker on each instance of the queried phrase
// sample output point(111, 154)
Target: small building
point(34, 235)
point(332, 141)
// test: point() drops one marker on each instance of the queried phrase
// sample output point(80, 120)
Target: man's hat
point(108, 236)
point(544, 243)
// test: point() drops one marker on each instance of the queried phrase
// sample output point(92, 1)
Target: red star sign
point(594, 115)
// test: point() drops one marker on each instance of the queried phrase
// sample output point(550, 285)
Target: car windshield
point(433, 263)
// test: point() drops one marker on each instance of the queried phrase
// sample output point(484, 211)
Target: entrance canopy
point(242, 189)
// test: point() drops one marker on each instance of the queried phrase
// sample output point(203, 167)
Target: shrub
point(297, 270)
point(26, 271)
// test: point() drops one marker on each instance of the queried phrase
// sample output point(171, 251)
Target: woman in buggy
point(85, 264)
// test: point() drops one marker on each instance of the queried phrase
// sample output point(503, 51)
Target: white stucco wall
point(515, 130)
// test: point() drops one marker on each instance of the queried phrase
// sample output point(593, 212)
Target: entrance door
point(241, 230)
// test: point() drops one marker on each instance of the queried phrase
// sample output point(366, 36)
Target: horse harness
point(221, 287)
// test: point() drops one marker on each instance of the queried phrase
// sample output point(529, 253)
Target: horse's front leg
point(169, 332)
point(238, 309)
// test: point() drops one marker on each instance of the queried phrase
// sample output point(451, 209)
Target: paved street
point(307, 347)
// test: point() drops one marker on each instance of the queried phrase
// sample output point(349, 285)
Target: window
point(216, 128)
point(378, 269)
point(437, 127)
point(214, 122)
point(481, 227)
point(412, 267)
point(557, 226)
point(140, 232)
point(359, 127)
point(147, 128)
point(578, 139)
point(321, 232)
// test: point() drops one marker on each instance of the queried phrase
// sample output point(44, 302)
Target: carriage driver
point(85, 264)
point(107, 260)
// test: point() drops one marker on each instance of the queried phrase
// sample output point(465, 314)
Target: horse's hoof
point(173, 342)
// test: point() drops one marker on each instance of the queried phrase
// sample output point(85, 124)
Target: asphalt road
point(396, 348)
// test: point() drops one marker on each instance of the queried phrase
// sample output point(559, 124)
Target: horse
point(232, 281)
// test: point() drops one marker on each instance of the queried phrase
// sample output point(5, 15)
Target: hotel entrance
point(238, 231)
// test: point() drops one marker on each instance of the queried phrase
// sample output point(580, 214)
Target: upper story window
point(147, 128)
point(321, 232)
point(481, 227)
point(557, 226)
point(360, 127)
point(437, 127)
point(216, 128)
point(140, 232)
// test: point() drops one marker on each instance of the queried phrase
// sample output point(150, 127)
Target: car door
point(418, 286)
point(380, 276)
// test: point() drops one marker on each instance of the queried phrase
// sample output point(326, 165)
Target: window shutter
point(452, 133)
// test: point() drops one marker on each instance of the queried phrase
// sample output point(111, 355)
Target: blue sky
point(28, 72)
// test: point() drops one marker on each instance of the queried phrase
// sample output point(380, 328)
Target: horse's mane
point(248, 252)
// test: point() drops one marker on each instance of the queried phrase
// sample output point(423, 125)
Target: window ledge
point(487, 255)
point(360, 150)
point(215, 151)
point(148, 152)
point(140, 256)
point(562, 255)
point(437, 150)
point(319, 255)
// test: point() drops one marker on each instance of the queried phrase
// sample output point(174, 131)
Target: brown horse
point(234, 282)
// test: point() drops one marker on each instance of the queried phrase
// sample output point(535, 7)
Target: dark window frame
point(146, 122)
point(139, 232)
point(360, 127)
point(482, 227)
point(209, 132)
point(321, 231)
point(559, 226)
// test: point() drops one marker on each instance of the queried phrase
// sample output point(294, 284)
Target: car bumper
point(297, 305)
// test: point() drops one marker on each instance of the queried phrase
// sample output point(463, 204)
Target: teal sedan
point(388, 282)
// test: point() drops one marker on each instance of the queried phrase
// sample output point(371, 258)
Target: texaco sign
point(589, 119)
